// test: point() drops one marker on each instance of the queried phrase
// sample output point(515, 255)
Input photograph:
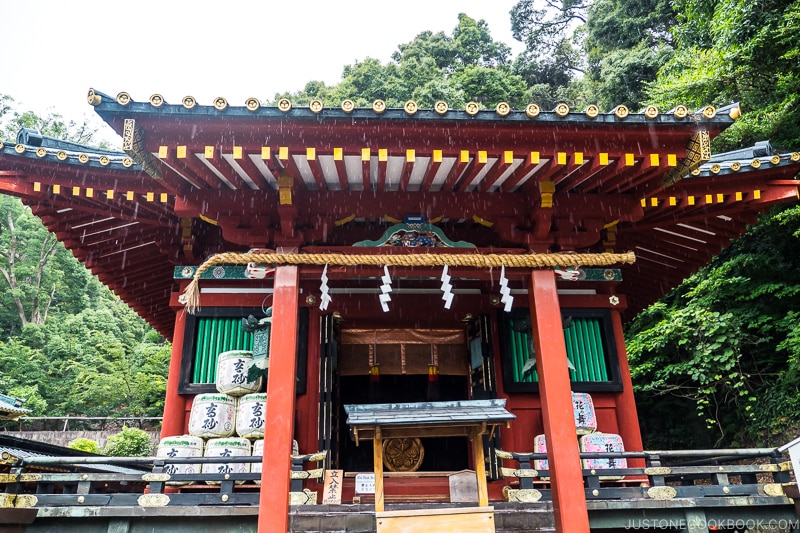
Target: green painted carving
point(415, 236)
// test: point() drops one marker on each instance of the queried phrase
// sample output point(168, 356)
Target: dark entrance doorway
point(402, 366)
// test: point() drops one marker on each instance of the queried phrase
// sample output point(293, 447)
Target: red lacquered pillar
point(566, 479)
point(627, 417)
point(174, 403)
point(273, 513)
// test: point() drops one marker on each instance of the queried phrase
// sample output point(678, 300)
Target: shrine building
point(435, 291)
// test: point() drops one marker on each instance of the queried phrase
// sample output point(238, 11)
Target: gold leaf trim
point(661, 493)
point(153, 500)
point(657, 471)
point(773, 489)
point(522, 495)
point(156, 477)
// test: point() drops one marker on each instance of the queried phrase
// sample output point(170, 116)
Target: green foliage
point(52, 125)
point(737, 51)
point(33, 399)
point(84, 445)
point(727, 340)
point(130, 442)
point(466, 65)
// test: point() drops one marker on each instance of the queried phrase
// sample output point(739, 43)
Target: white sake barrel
point(251, 415)
point(213, 416)
point(232, 370)
point(258, 451)
point(180, 446)
point(229, 448)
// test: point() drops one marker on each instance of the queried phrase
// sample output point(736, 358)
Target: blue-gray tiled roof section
point(398, 414)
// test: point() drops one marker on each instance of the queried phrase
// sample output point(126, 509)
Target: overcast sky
point(54, 51)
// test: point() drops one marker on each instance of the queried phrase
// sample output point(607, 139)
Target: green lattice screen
point(585, 349)
point(214, 336)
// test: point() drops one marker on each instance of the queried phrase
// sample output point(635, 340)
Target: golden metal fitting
point(189, 102)
point(104, 160)
point(252, 104)
point(502, 109)
point(156, 100)
point(410, 107)
point(94, 98)
point(41, 152)
point(533, 110)
point(316, 106)
point(736, 166)
point(127, 162)
point(709, 112)
point(472, 108)
point(651, 112)
point(680, 111)
point(715, 168)
point(441, 107)
point(83, 158)
point(775, 159)
point(592, 111)
point(61, 155)
point(562, 110)
point(621, 111)
point(755, 163)
point(20, 148)
point(379, 106)
point(123, 98)
point(284, 105)
point(348, 106)
point(220, 103)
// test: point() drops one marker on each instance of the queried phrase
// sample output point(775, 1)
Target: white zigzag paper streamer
point(505, 290)
point(447, 289)
point(325, 299)
point(386, 288)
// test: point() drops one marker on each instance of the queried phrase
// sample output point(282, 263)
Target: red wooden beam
point(273, 513)
point(566, 479)
point(434, 163)
point(461, 165)
point(504, 160)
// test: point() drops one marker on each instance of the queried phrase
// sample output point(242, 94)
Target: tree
point(52, 124)
point(466, 65)
point(130, 442)
point(726, 341)
point(737, 51)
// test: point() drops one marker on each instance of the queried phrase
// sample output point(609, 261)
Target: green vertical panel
point(574, 351)
point(581, 339)
point(197, 350)
point(202, 349)
point(214, 352)
point(588, 348)
point(599, 348)
point(516, 356)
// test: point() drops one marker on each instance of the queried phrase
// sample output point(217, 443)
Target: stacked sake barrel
point(222, 424)
point(590, 440)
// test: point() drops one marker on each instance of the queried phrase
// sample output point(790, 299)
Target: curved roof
point(194, 180)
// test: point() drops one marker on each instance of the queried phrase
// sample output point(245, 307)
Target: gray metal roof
point(398, 414)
